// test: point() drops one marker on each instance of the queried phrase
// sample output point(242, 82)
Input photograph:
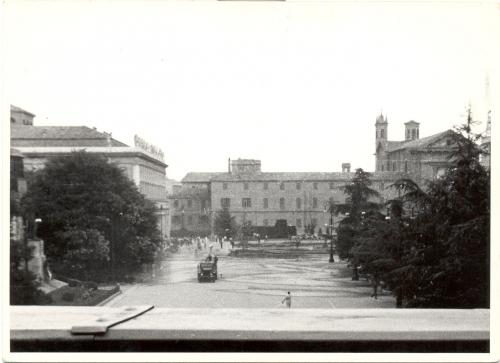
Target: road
point(253, 283)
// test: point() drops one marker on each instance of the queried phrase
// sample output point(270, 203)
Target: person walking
point(288, 300)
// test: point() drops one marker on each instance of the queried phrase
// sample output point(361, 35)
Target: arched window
point(282, 203)
point(413, 134)
point(382, 133)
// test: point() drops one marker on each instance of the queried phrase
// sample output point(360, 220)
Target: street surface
point(253, 283)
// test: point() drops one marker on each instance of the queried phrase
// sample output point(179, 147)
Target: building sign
point(149, 148)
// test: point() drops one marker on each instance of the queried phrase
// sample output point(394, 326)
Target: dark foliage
point(92, 215)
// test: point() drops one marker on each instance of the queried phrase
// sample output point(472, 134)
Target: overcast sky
point(295, 84)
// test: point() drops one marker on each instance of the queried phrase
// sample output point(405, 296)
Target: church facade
point(420, 159)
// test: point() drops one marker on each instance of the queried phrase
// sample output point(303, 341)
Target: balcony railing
point(48, 328)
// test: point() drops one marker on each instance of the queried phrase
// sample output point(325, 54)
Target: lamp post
point(330, 207)
point(331, 260)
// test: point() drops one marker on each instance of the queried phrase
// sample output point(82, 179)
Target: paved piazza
point(253, 283)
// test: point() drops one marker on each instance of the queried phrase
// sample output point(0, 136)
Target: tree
point(445, 258)
point(358, 206)
point(225, 224)
point(93, 217)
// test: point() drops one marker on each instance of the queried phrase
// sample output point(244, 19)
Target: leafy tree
point(445, 257)
point(359, 205)
point(225, 224)
point(93, 217)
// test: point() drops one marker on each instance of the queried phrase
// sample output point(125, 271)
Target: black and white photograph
point(243, 180)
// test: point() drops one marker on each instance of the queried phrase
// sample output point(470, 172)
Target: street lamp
point(331, 210)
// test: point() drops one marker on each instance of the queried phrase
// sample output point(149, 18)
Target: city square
point(253, 283)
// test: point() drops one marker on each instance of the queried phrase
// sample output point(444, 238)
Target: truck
point(207, 269)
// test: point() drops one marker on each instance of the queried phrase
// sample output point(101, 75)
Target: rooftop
point(19, 109)
point(34, 136)
point(282, 176)
point(419, 143)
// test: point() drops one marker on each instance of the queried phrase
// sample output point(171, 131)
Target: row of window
point(204, 204)
point(247, 203)
point(394, 165)
point(265, 185)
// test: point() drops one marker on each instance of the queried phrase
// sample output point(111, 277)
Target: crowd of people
point(199, 244)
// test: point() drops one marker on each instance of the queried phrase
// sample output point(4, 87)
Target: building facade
point(40, 143)
point(301, 199)
point(263, 198)
point(420, 159)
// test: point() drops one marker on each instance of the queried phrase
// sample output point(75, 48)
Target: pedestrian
point(288, 300)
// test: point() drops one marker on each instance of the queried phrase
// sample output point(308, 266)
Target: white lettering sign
point(152, 149)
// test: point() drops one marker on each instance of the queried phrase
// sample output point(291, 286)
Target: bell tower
point(381, 131)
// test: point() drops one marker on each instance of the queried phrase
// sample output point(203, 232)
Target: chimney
point(229, 165)
point(346, 167)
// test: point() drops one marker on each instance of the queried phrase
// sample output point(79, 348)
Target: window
point(190, 203)
point(298, 185)
point(381, 186)
point(203, 205)
point(406, 166)
point(393, 166)
point(332, 185)
point(176, 203)
point(299, 223)
point(190, 220)
point(12, 120)
point(448, 142)
point(413, 134)
point(315, 186)
point(177, 220)
point(315, 202)
point(382, 133)
point(382, 167)
point(314, 221)
point(266, 203)
point(282, 203)
point(408, 134)
point(282, 186)
point(266, 186)
point(246, 202)
point(298, 203)
point(224, 186)
point(225, 202)
point(266, 222)
point(245, 186)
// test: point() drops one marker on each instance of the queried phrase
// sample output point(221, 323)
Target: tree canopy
point(225, 224)
point(92, 215)
point(437, 256)
point(359, 205)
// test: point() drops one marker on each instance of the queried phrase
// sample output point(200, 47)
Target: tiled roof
point(199, 177)
point(193, 193)
point(22, 135)
point(419, 143)
point(285, 176)
point(19, 109)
